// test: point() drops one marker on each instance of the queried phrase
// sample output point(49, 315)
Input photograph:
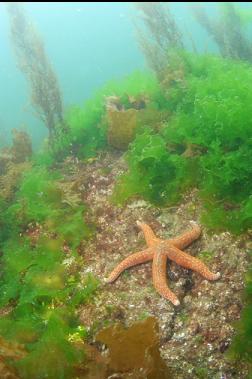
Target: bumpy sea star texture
point(158, 251)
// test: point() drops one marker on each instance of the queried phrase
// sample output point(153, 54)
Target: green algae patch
point(153, 174)
point(206, 256)
point(88, 124)
point(40, 280)
point(52, 356)
point(241, 347)
point(135, 349)
point(204, 143)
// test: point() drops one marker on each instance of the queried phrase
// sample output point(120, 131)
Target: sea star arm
point(132, 260)
point(149, 235)
point(159, 276)
point(186, 238)
point(185, 260)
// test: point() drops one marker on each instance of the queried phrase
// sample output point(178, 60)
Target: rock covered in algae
point(13, 351)
point(18, 153)
point(8, 181)
point(21, 146)
point(5, 159)
point(122, 114)
point(125, 114)
point(121, 127)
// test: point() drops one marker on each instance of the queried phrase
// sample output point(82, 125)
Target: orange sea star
point(159, 250)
